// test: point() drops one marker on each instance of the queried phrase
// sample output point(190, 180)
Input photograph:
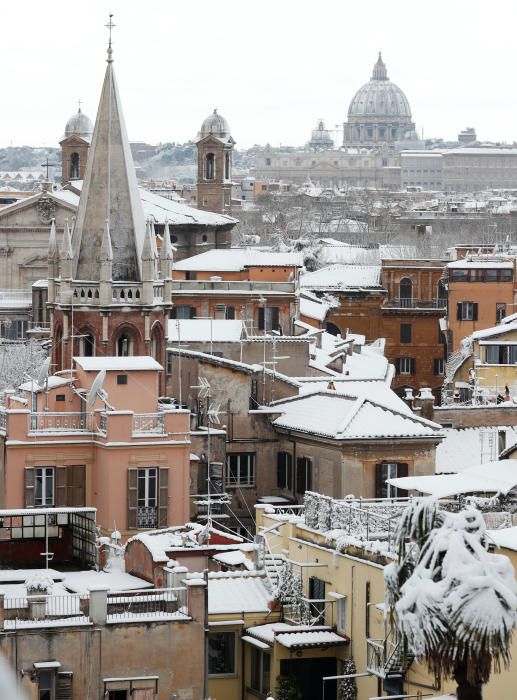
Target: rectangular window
point(405, 332)
point(117, 695)
point(221, 653)
point(467, 311)
point(268, 318)
point(46, 685)
point(254, 394)
point(341, 616)
point(284, 471)
point(183, 312)
point(406, 365)
point(500, 311)
point(303, 474)
point(501, 354)
point(230, 313)
point(147, 497)
point(459, 275)
point(121, 378)
point(439, 366)
point(505, 275)
point(385, 471)
point(317, 595)
point(44, 486)
point(60, 397)
point(240, 469)
point(260, 671)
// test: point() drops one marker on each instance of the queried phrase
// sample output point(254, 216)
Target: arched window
point(124, 345)
point(156, 343)
point(227, 168)
point(86, 344)
point(74, 166)
point(210, 166)
point(405, 291)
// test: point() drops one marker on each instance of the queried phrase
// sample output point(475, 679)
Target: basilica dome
point(379, 111)
point(215, 124)
point(321, 138)
point(79, 124)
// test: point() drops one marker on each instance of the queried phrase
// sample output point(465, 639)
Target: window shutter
point(163, 498)
point(413, 365)
point(289, 477)
point(308, 479)
point(76, 485)
point(61, 486)
point(397, 365)
point(29, 487)
point(173, 313)
point(474, 312)
point(64, 686)
point(459, 311)
point(131, 497)
point(378, 481)
point(192, 312)
point(402, 470)
point(261, 318)
point(275, 318)
point(280, 470)
point(300, 475)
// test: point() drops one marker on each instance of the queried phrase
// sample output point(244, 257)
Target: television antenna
point(43, 377)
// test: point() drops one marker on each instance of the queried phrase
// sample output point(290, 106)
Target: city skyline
point(272, 78)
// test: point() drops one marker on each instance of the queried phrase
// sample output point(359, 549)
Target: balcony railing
point(310, 611)
point(411, 303)
point(62, 422)
point(232, 286)
point(148, 423)
point(3, 421)
point(15, 297)
point(166, 603)
point(25, 611)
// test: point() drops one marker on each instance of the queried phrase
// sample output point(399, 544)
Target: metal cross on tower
point(47, 165)
point(110, 26)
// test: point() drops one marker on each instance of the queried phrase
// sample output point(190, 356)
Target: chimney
point(425, 400)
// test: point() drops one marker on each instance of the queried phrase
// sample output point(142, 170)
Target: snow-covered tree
point(452, 602)
point(348, 686)
point(17, 360)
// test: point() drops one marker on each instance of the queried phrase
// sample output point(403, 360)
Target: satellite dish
point(96, 388)
point(43, 373)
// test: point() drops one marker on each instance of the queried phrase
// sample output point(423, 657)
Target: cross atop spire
point(79, 102)
point(110, 26)
point(379, 70)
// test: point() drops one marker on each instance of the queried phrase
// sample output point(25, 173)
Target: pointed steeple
point(109, 191)
point(166, 253)
point(380, 71)
point(66, 244)
point(53, 250)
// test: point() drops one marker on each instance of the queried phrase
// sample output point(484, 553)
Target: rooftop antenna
point(43, 377)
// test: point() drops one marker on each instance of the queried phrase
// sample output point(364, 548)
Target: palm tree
point(453, 604)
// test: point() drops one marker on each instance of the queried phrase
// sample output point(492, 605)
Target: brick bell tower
point(109, 289)
point(75, 145)
point(214, 165)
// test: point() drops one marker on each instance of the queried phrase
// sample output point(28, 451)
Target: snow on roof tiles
point(292, 640)
point(201, 330)
point(119, 364)
point(241, 594)
point(236, 259)
point(343, 417)
point(495, 330)
point(313, 308)
point(343, 277)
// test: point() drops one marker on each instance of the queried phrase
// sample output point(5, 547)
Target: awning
point(255, 642)
point(305, 640)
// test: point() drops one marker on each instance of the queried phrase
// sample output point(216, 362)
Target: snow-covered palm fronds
point(453, 602)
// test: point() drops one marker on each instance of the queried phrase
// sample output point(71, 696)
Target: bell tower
point(214, 165)
point(75, 145)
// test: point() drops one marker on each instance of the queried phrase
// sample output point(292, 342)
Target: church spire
point(110, 191)
point(380, 71)
point(66, 244)
point(53, 250)
point(166, 253)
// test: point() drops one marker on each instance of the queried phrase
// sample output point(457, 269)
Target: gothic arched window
point(74, 166)
point(124, 345)
point(87, 344)
point(210, 166)
point(406, 290)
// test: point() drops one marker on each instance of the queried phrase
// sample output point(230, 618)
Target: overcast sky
point(271, 67)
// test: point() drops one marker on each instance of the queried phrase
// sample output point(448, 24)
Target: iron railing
point(233, 286)
point(166, 603)
point(70, 609)
point(148, 423)
point(412, 303)
point(310, 611)
point(59, 422)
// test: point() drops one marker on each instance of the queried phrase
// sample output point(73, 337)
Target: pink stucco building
point(121, 452)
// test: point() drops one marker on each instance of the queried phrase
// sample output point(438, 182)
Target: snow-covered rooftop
point(237, 259)
point(295, 636)
point(505, 537)
point(312, 307)
point(491, 264)
point(348, 417)
point(490, 477)
point(201, 330)
point(467, 446)
point(374, 389)
point(117, 364)
point(495, 330)
point(237, 592)
point(336, 277)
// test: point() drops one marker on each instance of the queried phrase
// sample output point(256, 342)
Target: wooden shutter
point(261, 318)
point(378, 481)
point(61, 486)
point(275, 318)
point(289, 484)
point(173, 313)
point(29, 487)
point(163, 498)
point(459, 307)
point(308, 474)
point(281, 470)
point(64, 686)
point(193, 311)
point(397, 365)
point(413, 365)
point(76, 480)
point(132, 478)
point(474, 312)
point(402, 470)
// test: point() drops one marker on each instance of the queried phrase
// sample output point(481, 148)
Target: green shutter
point(163, 498)
point(131, 497)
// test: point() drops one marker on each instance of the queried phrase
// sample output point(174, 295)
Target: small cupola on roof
point(79, 125)
point(321, 138)
point(216, 125)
